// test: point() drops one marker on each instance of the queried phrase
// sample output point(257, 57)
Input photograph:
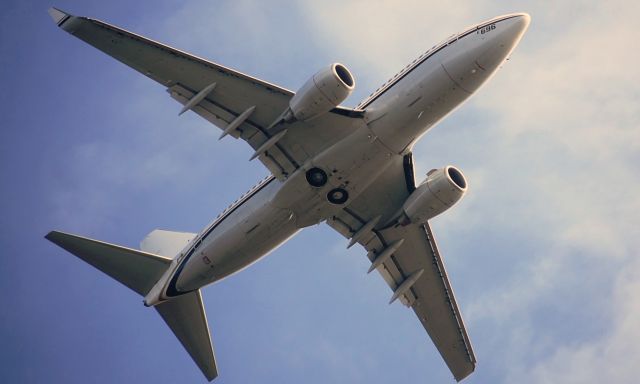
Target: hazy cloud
point(561, 119)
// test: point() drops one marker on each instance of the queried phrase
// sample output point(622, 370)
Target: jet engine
point(438, 192)
point(321, 93)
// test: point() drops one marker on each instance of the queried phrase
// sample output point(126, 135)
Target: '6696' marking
point(486, 29)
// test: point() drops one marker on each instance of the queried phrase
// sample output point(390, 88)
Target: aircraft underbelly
point(351, 165)
point(278, 211)
point(248, 233)
point(414, 105)
point(243, 245)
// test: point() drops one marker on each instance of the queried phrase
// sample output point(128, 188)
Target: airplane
point(351, 168)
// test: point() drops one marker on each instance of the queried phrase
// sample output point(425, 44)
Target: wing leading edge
point(242, 106)
point(417, 259)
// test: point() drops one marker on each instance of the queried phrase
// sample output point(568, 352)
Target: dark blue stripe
point(171, 288)
point(372, 98)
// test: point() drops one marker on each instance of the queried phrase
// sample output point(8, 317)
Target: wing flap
point(276, 160)
point(435, 303)
point(347, 223)
point(431, 296)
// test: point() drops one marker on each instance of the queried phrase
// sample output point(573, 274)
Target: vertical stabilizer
point(166, 243)
point(186, 318)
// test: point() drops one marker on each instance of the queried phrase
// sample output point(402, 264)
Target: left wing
point(226, 98)
point(412, 267)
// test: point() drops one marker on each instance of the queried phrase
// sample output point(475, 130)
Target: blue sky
point(542, 252)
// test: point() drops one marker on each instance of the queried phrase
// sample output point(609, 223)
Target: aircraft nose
point(477, 55)
point(515, 28)
point(523, 20)
point(499, 45)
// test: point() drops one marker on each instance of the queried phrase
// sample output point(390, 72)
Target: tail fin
point(140, 271)
point(136, 269)
point(167, 243)
point(186, 318)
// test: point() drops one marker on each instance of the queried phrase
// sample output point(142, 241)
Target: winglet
point(58, 16)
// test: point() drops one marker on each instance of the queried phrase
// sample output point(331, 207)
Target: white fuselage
point(397, 115)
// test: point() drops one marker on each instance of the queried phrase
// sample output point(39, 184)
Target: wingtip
point(211, 376)
point(56, 237)
point(51, 235)
point(58, 16)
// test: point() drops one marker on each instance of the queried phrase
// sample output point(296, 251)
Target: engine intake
point(321, 93)
point(438, 192)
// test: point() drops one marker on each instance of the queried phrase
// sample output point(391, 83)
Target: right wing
point(185, 76)
point(416, 262)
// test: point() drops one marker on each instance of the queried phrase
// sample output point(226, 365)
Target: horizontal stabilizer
point(136, 269)
point(185, 316)
point(166, 243)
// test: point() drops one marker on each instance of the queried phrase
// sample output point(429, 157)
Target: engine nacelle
point(440, 191)
point(321, 93)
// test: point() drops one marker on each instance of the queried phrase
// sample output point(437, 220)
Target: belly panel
point(242, 237)
point(421, 100)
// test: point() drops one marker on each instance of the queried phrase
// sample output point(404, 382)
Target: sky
point(542, 252)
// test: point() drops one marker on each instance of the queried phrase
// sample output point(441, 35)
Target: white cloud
point(608, 358)
point(557, 156)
